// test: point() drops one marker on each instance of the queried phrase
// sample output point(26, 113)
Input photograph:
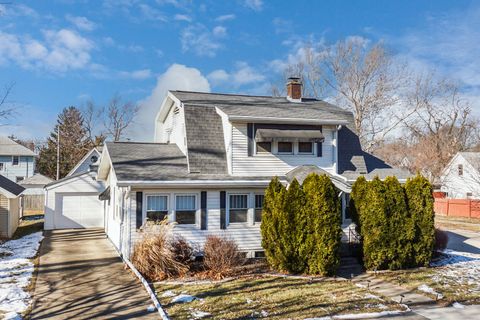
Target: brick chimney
point(294, 89)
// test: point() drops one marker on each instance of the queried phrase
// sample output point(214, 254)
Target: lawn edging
point(149, 290)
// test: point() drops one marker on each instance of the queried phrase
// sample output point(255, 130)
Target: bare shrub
point(154, 256)
point(182, 250)
point(441, 240)
point(221, 256)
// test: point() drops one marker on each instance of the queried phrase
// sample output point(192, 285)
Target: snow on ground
point(16, 272)
point(427, 289)
point(458, 267)
point(183, 298)
point(370, 315)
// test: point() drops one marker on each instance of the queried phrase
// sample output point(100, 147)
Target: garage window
point(157, 207)
point(185, 208)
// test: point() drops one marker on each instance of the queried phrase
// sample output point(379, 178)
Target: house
point(212, 157)
point(461, 177)
point(16, 161)
point(33, 200)
point(72, 202)
point(10, 206)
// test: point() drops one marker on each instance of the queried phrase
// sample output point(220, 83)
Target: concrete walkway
point(80, 276)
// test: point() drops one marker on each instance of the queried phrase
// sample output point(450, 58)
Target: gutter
point(285, 120)
point(199, 183)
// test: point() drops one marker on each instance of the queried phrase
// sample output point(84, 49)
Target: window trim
point(312, 144)
point(18, 161)
point(228, 207)
point(255, 208)
point(287, 153)
point(145, 206)
point(197, 208)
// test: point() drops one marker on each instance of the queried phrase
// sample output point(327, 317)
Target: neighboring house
point(10, 206)
point(461, 177)
point(88, 162)
point(16, 161)
point(72, 202)
point(33, 201)
point(213, 156)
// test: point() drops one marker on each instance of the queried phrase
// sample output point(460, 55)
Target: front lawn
point(454, 277)
point(269, 297)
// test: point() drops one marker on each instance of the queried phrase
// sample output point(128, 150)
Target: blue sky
point(64, 52)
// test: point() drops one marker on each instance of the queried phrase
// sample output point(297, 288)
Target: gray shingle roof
point(8, 147)
point(36, 179)
point(10, 186)
point(206, 145)
point(264, 106)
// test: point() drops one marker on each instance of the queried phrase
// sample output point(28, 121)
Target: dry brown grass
point(154, 255)
point(221, 257)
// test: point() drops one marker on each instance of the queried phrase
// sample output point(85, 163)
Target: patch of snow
point(16, 271)
point(198, 314)
point(183, 298)
point(372, 296)
point(168, 294)
point(457, 305)
point(427, 289)
point(264, 313)
point(360, 285)
point(151, 308)
point(249, 301)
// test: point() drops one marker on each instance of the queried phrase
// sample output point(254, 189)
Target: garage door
point(78, 211)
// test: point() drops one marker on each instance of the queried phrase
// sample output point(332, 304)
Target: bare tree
point(118, 116)
point(92, 116)
point(362, 78)
point(7, 107)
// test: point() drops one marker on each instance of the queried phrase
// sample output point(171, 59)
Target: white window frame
point(197, 207)
point(264, 152)
point(228, 207)
point(306, 153)
point(286, 153)
point(255, 206)
point(13, 162)
point(149, 194)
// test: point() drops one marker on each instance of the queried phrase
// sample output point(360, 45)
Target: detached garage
point(72, 202)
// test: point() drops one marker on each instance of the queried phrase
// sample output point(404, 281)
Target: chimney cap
point(293, 79)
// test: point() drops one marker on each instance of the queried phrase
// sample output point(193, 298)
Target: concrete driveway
point(80, 276)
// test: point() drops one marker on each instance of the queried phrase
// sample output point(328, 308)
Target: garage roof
point(9, 188)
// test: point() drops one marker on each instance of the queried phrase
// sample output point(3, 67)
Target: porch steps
point(349, 266)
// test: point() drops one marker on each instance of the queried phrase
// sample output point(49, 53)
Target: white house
point(88, 161)
point(461, 177)
point(10, 206)
point(16, 161)
point(212, 157)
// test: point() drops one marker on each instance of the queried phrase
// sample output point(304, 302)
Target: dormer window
point(305, 147)
point(285, 147)
point(264, 147)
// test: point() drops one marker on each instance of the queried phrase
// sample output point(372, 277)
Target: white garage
point(73, 202)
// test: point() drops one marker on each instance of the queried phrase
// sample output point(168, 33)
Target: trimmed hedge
point(396, 222)
point(301, 226)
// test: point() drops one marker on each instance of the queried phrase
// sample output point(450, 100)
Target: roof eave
point(195, 183)
point(287, 120)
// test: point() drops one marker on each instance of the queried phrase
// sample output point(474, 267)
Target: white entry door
point(78, 211)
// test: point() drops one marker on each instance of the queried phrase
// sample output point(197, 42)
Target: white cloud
point(242, 75)
point(256, 5)
point(182, 17)
point(225, 17)
point(58, 51)
point(82, 23)
point(17, 10)
point(200, 40)
point(151, 13)
point(136, 74)
point(282, 25)
point(176, 77)
point(219, 31)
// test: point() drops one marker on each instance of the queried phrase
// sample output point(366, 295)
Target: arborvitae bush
point(323, 228)
point(357, 197)
point(420, 205)
point(271, 214)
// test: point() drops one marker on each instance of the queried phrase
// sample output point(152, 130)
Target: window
point(15, 160)
point(259, 207)
point(1, 166)
point(305, 147)
point(238, 208)
point(263, 147)
point(185, 208)
point(157, 207)
point(469, 195)
point(18, 179)
point(460, 169)
point(94, 159)
point(285, 147)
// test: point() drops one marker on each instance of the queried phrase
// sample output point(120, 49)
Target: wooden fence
point(464, 208)
point(33, 203)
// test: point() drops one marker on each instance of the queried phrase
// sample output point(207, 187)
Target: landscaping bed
point(272, 297)
point(453, 277)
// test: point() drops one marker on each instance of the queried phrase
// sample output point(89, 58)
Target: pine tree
point(323, 231)
point(273, 204)
point(420, 205)
point(74, 144)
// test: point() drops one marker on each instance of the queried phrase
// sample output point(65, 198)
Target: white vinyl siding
point(268, 164)
point(172, 130)
point(466, 185)
point(24, 168)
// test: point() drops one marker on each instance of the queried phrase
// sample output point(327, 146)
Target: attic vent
point(176, 110)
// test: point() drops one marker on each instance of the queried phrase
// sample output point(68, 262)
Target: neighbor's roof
point(10, 187)
point(139, 161)
point(9, 147)
point(36, 179)
point(239, 107)
point(472, 157)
